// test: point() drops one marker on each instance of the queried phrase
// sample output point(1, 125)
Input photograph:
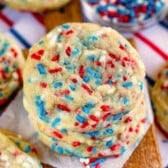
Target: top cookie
point(82, 77)
point(11, 65)
point(36, 5)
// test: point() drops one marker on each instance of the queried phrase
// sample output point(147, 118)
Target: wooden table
point(147, 154)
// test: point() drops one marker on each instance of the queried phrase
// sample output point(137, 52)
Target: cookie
point(159, 93)
point(16, 153)
point(11, 65)
point(36, 5)
point(81, 81)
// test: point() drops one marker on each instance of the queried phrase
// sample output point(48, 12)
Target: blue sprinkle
point(97, 75)
point(6, 69)
point(72, 87)
point(92, 38)
point(94, 151)
point(125, 100)
point(60, 150)
point(109, 144)
point(108, 132)
point(40, 105)
point(122, 149)
point(87, 107)
point(66, 26)
point(36, 134)
point(92, 134)
point(117, 116)
point(57, 84)
point(41, 69)
point(64, 130)
point(69, 98)
point(54, 139)
point(41, 42)
point(127, 84)
point(98, 161)
point(91, 57)
point(56, 122)
point(141, 85)
point(80, 119)
point(86, 79)
point(76, 52)
point(17, 143)
point(89, 70)
point(27, 149)
point(98, 82)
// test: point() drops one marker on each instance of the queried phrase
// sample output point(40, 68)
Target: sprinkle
point(81, 71)
point(94, 118)
point(63, 107)
point(72, 87)
point(127, 84)
point(55, 58)
point(57, 84)
point(69, 32)
point(57, 134)
point(27, 149)
point(128, 119)
point(125, 100)
point(109, 144)
point(80, 119)
point(105, 108)
point(43, 84)
point(68, 50)
point(76, 143)
point(117, 116)
point(85, 87)
point(41, 69)
point(88, 107)
point(115, 147)
point(89, 148)
point(56, 122)
point(69, 98)
point(55, 70)
point(108, 131)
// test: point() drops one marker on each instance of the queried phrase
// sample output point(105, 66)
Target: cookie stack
point(83, 90)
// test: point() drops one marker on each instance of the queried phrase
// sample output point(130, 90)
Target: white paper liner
point(16, 119)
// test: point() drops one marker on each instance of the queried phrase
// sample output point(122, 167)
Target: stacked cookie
point(16, 153)
point(36, 5)
point(11, 65)
point(160, 98)
point(83, 90)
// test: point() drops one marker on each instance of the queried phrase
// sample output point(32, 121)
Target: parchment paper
point(16, 119)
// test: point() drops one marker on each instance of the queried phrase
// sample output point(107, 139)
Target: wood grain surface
point(147, 154)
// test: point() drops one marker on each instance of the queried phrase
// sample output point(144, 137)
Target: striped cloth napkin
point(26, 28)
point(152, 45)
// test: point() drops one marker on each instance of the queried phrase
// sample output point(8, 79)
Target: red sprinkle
point(19, 73)
point(85, 124)
point(85, 87)
point(128, 119)
point(76, 143)
point(115, 147)
point(2, 101)
point(116, 58)
point(35, 56)
point(81, 71)
point(94, 118)
point(57, 134)
point(43, 84)
point(130, 129)
point(74, 80)
point(34, 150)
point(63, 107)
point(40, 52)
point(68, 50)
point(89, 148)
point(110, 63)
point(55, 58)
point(69, 32)
point(143, 120)
point(105, 108)
point(55, 70)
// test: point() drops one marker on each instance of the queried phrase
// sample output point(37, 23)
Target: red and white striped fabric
point(26, 28)
point(152, 44)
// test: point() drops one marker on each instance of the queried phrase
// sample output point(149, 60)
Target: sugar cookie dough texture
point(83, 90)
